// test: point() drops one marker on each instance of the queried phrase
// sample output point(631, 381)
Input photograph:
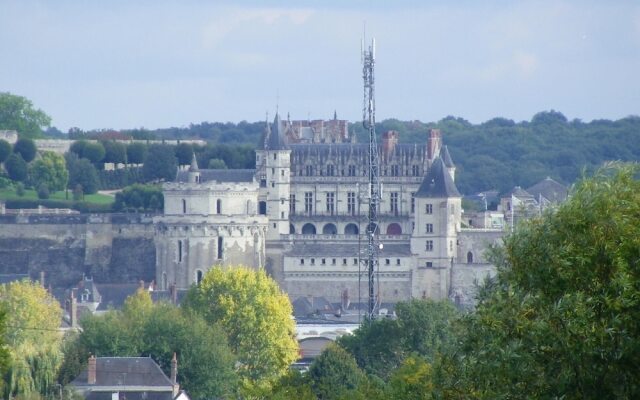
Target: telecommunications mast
point(373, 189)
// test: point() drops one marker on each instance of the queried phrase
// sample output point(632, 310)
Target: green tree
point(17, 113)
point(205, 362)
point(562, 317)
point(32, 337)
point(77, 147)
point(115, 152)
point(4, 351)
point(93, 152)
point(26, 148)
point(139, 197)
point(160, 163)
point(411, 381)
point(50, 169)
point(16, 168)
point(82, 173)
point(136, 153)
point(256, 316)
point(184, 153)
point(5, 150)
point(334, 374)
point(216, 163)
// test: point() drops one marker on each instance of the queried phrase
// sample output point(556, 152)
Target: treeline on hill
point(496, 154)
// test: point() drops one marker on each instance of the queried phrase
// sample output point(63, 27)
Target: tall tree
point(26, 148)
point(115, 152)
point(93, 152)
point(16, 168)
point(51, 170)
point(160, 163)
point(136, 153)
point(83, 173)
point(335, 375)
point(17, 113)
point(562, 317)
point(32, 337)
point(184, 153)
point(256, 316)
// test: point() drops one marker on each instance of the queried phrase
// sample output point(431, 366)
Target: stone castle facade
point(301, 214)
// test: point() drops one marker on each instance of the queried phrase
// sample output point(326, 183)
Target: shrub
point(43, 191)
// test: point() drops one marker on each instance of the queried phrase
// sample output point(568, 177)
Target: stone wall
point(111, 247)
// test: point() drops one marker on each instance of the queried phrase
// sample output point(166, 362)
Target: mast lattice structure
point(370, 259)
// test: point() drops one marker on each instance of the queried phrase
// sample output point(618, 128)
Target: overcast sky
point(129, 64)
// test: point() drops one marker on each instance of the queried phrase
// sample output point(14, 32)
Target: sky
point(157, 64)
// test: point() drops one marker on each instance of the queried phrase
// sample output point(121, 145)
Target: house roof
point(220, 175)
point(125, 371)
point(113, 295)
point(519, 193)
point(438, 182)
point(130, 395)
point(550, 190)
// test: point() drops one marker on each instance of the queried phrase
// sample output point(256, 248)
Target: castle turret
point(277, 173)
point(437, 223)
point(194, 171)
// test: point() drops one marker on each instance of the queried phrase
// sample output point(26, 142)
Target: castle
point(301, 213)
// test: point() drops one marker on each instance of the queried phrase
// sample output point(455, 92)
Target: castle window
point(274, 156)
point(429, 208)
point(429, 245)
point(429, 228)
point(394, 203)
point(450, 245)
point(198, 276)
point(397, 261)
point(415, 170)
point(263, 183)
point(355, 261)
point(292, 204)
point(387, 261)
point(273, 184)
point(184, 206)
point(330, 202)
point(219, 206)
point(220, 248)
point(323, 262)
point(308, 202)
point(282, 172)
point(262, 208)
point(273, 171)
point(302, 261)
point(429, 264)
point(333, 261)
point(308, 169)
point(469, 258)
point(395, 170)
point(344, 261)
point(331, 170)
point(352, 170)
point(413, 227)
point(413, 203)
point(281, 214)
point(179, 251)
point(351, 203)
point(313, 261)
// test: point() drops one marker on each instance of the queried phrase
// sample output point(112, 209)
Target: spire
point(335, 115)
point(446, 157)
point(194, 163)
point(438, 182)
point(275, 137)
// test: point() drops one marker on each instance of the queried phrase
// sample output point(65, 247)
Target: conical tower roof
point(446, 157)
point(438, 182)
point(194, 164)
point(275, 139)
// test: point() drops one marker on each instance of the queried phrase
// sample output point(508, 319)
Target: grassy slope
point(10, 194)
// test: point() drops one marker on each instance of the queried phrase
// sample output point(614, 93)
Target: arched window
point(220, 248)
point(218, 206)
point(309, 229)
point(199, 275)
point(262, 208)
point(469, 258)
point(351, 229)
point(329, 229)
point(184, 206)
point(394, 229)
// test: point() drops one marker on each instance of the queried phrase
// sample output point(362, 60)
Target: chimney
point(389, 141)
point(42, 279)
point(73, 314)
point(434, 144)
point(91, 370)
point(174, 375)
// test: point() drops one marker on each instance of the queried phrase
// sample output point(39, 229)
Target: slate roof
point(345, 250)
point(194, 164)
point(275, 136)
point(220, 175)
point(113, 295)
point(129, 371)
point(519, 193)
point(550, 190)
point(303, 307)
point(446, 157)
point(438, 182)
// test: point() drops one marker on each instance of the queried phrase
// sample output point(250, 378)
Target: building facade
point(301, 214)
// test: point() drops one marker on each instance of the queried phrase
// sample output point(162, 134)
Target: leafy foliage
point(5, 150)
point(205, 363)
point(140, 197)
point(115, 152)
point(83, 173)
point(17, 113)
point(34, 344)
point(184, 153)
point(50, 170)
point(136, 153)
point(562, 318)
point(160, 164)
point(256, 317)
point(335, 375)
point(26, 148)
point(16, 168)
